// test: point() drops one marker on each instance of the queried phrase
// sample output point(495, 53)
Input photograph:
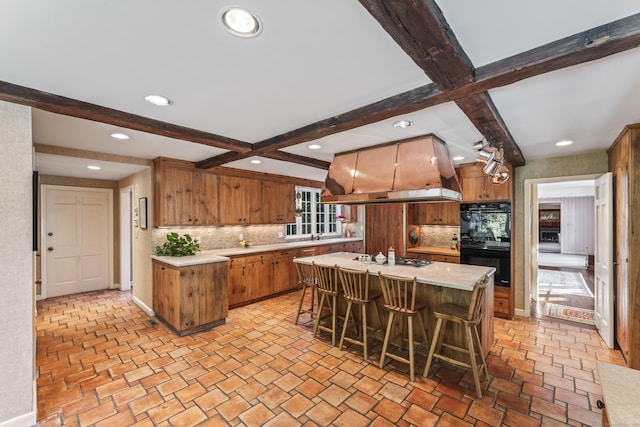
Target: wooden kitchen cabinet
point(191, 298)
point(502, 302)
point(477, 188)
point(278, 206)
point(173, 195)
point(240, 201)
point(205, 199)
point(624, 158)
point(184, 196)
point(257, 276)
point(440, 213)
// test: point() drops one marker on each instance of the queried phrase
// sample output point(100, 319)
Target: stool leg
point(474, 362)
point(304, 291)
point(320, 306)
point(314, 290)
point(386, 339)
point(334, 319)
point(480, 352)
point(434, 343)
point(344, 327)
point(411, 352)
point(364, 332)
point(424, 332)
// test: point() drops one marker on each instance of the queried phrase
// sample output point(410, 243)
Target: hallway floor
point(103, 362)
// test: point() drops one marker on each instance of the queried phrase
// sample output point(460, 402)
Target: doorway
point(77, 240)
point(566, 228)
point(583, 275)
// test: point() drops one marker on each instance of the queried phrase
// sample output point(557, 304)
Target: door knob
point(50, 234)
point(50, 248)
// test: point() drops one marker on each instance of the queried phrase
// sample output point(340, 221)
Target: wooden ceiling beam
point(420, 28)
point(590, 45)
point(70, 107)
point(295, 158)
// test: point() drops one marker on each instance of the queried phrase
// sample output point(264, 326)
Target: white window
point(312, 217)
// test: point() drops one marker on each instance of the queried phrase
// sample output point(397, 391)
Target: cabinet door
point(237, 288)
point(190, 279)
point(205, 199)
point(166, 293)
point(233, 201)
point(213, 298)
point(277, 203)
point(177, 198)
point(283, 272)
point(450, 212)
point(258, 276)
point(473, 188)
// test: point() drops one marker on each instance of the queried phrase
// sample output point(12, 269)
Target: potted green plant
point(299, 211)
point(177, 245)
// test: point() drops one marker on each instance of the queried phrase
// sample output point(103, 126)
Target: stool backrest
point(477, 298)
point(399, 292)
point(327, 276)
point(355, 283)
point(306, 273)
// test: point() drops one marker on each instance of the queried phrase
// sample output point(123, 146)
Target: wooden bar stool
point(328, 289)
point(355, 287)
point(306, 279)
point(468, 317)
point(400, 298)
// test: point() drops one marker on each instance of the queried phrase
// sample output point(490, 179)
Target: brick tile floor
point(102, 361)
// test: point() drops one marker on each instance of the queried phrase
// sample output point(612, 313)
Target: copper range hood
point(413, 170)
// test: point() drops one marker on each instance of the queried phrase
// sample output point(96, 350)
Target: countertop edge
point(221, 255)
point(434, 251)
point(618, 385)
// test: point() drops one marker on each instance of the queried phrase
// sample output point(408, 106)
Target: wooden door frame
point(531, 234)
point(44, 189)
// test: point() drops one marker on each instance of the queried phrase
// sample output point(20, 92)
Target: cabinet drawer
point(501, 306)
point(444, 258)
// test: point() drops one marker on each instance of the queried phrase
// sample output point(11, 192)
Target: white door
point(76, 241)
point(604, 258)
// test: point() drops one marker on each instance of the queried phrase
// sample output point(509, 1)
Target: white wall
point(577, 224)
point(16, 286)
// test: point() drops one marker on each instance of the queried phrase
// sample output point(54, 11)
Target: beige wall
point(141, 239)
point(17, 303)
point(583, 164)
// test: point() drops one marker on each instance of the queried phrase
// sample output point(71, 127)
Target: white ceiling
point(313, 60)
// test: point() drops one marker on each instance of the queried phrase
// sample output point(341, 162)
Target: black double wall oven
point(485, 238)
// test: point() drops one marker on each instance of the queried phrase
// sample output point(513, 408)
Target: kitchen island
point(441, 283)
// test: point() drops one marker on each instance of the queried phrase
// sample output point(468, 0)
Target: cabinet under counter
point(191, 297)
point(435, 254)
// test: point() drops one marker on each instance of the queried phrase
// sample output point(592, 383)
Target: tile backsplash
point(438, 236)
point(229, 236)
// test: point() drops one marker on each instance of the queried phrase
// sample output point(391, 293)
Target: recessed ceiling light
point(315, 146)
point(158, 100)
point(94, 167)
point(256, 161)
point(457, 158)
point(563, 143)
point(118, 135)
point(402, 124)
point(241, 22)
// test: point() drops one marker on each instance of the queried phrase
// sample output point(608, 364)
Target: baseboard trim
point(28, 419)
point(522, 313)
point(144, 308)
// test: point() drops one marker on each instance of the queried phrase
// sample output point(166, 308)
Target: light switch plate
point(240, 237)
point(280, 234)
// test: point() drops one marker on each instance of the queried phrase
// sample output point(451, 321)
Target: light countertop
point(458, 276)
point(434, 251)
point(620, 391)
point(221, 255)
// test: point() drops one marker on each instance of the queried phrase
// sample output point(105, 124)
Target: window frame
point(316, 218)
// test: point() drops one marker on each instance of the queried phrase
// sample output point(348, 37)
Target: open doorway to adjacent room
point(565, 251)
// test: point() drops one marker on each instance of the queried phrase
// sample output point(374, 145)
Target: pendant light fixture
point(494, 159)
